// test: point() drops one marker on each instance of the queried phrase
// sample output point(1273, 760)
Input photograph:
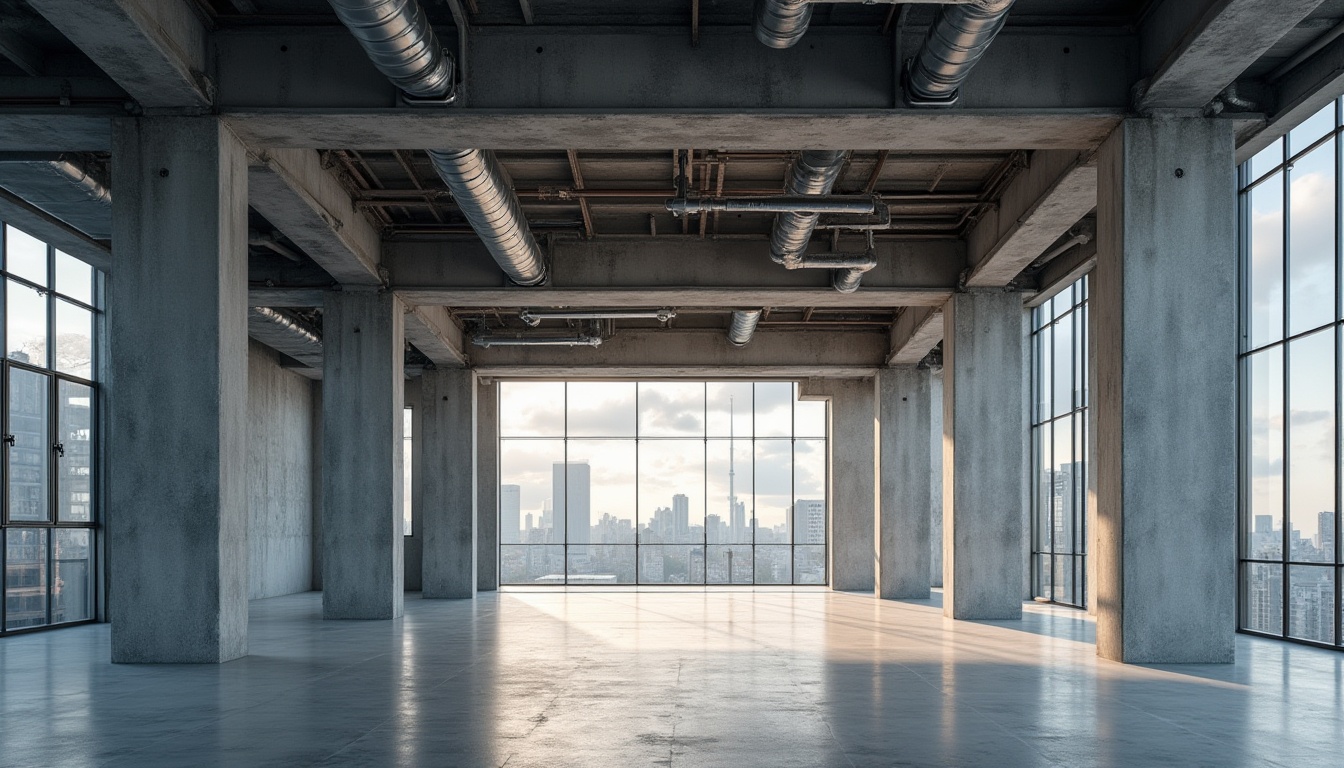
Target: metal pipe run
point(402, 45)
point(583, 340)
point(959, 37)
point(799, 204)
point(742, 327)
point(813, 174)
point(534, 319)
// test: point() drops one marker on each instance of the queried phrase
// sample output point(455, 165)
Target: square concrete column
point(363, 392)
point(448, 488)
point(984, 455)
point(853, 480)
point(936, 489)
point(177, 314)
point(905, 483)
point(1165, 303)
point(487, 486)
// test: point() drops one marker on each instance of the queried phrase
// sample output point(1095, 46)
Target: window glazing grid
point(1059, 447)
point(661, 483)
point(1290, 385)
point(47, 520)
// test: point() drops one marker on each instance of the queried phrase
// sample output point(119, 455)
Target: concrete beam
point(157, 51)
point(1064, 271)
point(76, 129)
point(1300, 93)
point(916, 331)
point(701, 350)
point(1049, 196)
point(1194, 50)
point(308, 204)
point(434, 333)
point(42, 225)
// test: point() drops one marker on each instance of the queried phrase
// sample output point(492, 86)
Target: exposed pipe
point(956, 41)
point(1075, 238)
point(273, 244)
point(401, 43)
point(743, 326)
point(782, 23)
point(285, 334)
point(534, 319)
point(804, 204)
point(813, 173)
point(74, 172)
point(582, 340)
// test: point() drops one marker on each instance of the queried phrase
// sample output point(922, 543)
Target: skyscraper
point(510, 511)
point(681, 516)
point(571, 489)
point(809, 521)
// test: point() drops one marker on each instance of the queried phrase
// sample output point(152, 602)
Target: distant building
point(571, 488)
point(510, 509)
point(809, 521)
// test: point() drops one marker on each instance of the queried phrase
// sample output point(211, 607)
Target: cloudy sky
point(684, 446)
point(1311, 302)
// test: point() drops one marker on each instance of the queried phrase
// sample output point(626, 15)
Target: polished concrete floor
point(658, 678)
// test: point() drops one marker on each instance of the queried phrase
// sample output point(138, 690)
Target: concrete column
point(363, 394)
point(905, 484)
point(936, 489)
point(177, 314)
point(448, 508)
point(984, 455)
point(1165, 302)
point(853, 482)
point(487, 486)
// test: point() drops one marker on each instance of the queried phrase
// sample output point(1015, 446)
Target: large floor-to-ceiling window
point(1059, 447)
point(681, 482)
point(48, 516)
point(1290, 384)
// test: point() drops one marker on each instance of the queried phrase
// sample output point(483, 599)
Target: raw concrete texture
point(177, 480)
point(853, 481)
point(448, 488)
point(316, 509)
point(413, 540)
point(936, 489)
point(279, 477)
point(984, 455)
point(905, 484)
point(362, 399)
point(1165, 301)
point(487, 486)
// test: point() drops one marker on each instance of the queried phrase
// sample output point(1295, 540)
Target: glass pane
point(25, 577)
point(672, 564)
point(601, 408)
point(1267, 159)
point(671, 491)
point(532, 565)
point(1264, 287)
point(407, 471)
point(74, 278)
point(26, 325)
point(1311, 445)
point(532, 409)
point(1062, 380)
point(74, 465)
point(602, 565)
point(728, 476)
point(809, 492)
point(773, 474)
point(30, 455)
point(1262, 606)
point(729, 408)
point(1040, 576)
point(774, 408)
point(672, 409)
point(601, 493)
point(530, 465)
point(1311, 603)
point(72, 587)
point(1062, 495)
point(1311, 234)
point(809, 565)
point(1080, 357)
point(730, 565)
point(74, 340)
point(809, 416)
point(1264, 383)
point(1311, 129)
point(1045, 373)
point(25, 256)
point(511, 514)
point(1041, 479)
point(774, 565)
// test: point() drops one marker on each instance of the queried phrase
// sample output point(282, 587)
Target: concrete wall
point(279, 477)
point(414, 541)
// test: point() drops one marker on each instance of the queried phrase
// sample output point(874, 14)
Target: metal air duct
point(285, 334)
point(813, 173)
point(403, 46)
point(782, 23)
point(743, 326)
point(956, 41)
point(63, 186)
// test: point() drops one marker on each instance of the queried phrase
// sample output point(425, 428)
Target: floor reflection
point(685, 677)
